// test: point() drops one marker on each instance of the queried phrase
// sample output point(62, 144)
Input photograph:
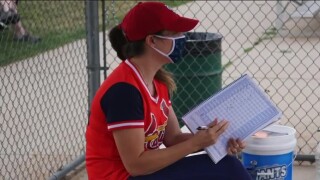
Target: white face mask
point(177, 51)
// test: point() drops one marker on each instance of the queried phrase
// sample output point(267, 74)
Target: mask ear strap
point(173, 42)
point(172, 38)
point(162, 53)
point(164, 37)
point(173, 46)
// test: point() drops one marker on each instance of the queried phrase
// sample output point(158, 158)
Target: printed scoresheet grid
point(243, 104)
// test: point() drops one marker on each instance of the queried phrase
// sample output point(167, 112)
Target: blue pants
point(200, 167)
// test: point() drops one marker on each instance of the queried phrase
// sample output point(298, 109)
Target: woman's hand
point(235, 146)
point(205, 138)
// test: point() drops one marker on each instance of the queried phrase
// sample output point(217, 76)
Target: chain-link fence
point(44, 87)
point(276, 42)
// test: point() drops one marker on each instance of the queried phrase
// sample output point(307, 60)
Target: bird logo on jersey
point(164, 108)
point(154, 134)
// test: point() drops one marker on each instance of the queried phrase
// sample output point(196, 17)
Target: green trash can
point(198, 75)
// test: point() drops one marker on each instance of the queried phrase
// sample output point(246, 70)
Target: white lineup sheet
point(243, 104)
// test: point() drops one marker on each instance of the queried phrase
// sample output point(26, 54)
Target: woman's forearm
point(179, 138)
point(154, 160)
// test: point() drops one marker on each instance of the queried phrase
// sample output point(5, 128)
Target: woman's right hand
point(205, 138)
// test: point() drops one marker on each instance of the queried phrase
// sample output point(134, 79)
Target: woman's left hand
point(235, 146)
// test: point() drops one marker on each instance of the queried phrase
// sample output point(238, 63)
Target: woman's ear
point(150, 40)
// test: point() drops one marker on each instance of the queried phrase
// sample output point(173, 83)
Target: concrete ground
point(43, 112)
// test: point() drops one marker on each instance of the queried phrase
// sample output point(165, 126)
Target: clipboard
point(244, 104)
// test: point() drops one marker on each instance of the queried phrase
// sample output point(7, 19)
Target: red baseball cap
point(147, 18)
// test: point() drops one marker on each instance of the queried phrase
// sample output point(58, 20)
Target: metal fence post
point(92, 27)
point(67, 168)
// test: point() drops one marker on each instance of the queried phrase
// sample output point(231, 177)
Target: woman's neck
point(146, 68)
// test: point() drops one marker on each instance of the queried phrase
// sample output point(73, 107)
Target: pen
point(202, 128)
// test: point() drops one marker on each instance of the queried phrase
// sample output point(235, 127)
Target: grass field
point(57, 23)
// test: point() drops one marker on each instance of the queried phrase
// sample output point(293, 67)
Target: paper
point(243, 104)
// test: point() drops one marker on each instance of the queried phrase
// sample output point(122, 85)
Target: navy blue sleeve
point(122, 102)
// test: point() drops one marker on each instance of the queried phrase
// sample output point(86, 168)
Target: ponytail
point(167, 78)
point(125, 49)
point(118, 41)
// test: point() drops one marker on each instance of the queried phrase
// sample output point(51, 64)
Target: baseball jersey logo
point(154, 134)
point(164, 108)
